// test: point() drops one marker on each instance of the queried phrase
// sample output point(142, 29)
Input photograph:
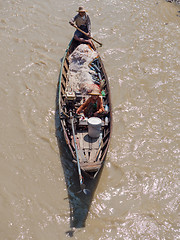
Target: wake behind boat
point(82, 71)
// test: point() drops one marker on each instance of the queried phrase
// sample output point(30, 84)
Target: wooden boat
point(87, 152)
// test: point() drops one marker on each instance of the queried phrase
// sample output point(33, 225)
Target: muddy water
point(137, 194)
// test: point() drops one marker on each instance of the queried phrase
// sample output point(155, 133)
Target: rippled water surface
point(137, 194)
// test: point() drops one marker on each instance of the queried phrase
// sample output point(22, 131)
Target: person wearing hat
point(82, 21)
point(93, 106)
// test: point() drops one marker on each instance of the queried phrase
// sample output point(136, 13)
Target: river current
point(137, 194)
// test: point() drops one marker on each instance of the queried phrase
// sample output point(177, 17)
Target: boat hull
point(91, 151)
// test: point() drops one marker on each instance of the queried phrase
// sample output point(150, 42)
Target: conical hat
point(95, 92)
point(81, 9)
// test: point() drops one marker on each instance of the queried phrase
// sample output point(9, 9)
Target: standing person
point(93, 106)
point(82, 21)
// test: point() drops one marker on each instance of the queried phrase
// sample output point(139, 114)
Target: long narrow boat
point(91, 151)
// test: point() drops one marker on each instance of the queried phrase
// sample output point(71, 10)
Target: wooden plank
point(91, 167)
point(80, 135)
point(95, 143)
point(83, 146)
point(86, 140)
point(93, 156)
point(82, 156)
point(105, 143)
point(62, 91)
point(88, 145)
point(66, 67)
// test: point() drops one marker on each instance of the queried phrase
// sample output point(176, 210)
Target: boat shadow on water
point(79, 202)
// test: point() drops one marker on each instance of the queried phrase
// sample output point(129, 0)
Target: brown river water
point(137, 194)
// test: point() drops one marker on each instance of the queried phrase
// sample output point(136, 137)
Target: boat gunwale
point(61, 69)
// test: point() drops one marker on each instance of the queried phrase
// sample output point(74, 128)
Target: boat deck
point(88, 150)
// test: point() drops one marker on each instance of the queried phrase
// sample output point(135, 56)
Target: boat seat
point(91, 167)
point(83, 123)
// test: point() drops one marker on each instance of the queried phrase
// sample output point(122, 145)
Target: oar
point(86, 191)
point(87, 35)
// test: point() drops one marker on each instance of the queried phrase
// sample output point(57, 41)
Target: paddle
point(86, 191)
point(86, 34)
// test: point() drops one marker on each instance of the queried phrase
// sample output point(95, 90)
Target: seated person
point(93, 106)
